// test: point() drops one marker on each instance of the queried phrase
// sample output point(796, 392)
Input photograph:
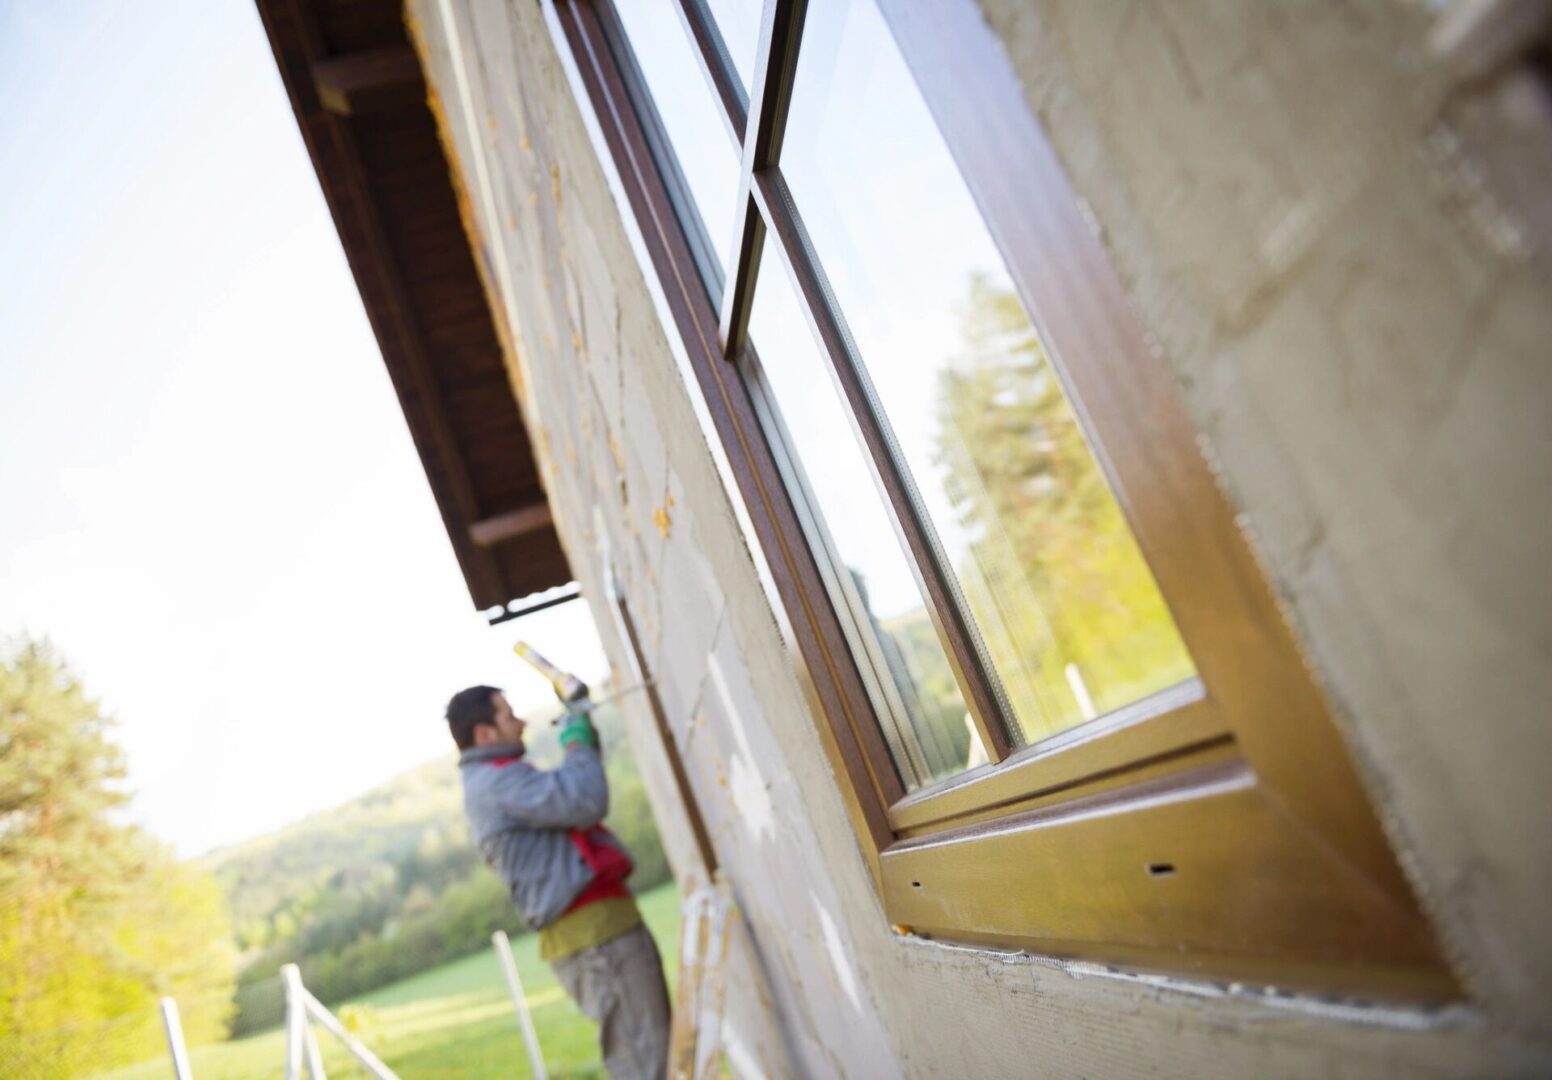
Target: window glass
point(1065, 610)
point(738, 21)
point(925, 721)
point(705, 154)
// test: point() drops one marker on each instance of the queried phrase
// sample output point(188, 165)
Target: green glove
point(579, 729)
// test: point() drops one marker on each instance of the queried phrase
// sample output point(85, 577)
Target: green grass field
point(455, 1021)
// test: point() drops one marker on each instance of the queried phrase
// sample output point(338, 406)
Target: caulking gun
point(572, 691)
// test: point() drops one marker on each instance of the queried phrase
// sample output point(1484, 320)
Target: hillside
point(413, 815)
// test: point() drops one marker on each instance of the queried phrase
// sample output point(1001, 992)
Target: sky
point(209, 500)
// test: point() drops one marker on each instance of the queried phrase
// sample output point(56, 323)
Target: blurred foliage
point(389, 884)
point(1053, 573)
point(939, 711)
point(97, 920)
point(362, 1021)
point(455, 1020)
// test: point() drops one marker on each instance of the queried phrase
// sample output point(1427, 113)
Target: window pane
point(702, 147)
point(1066, 610)
point(925, 721)
point(738, 21)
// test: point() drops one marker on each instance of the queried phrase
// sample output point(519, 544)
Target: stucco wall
point(1364, 367)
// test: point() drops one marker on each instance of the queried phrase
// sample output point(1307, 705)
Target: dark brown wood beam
point(371, 81)
point(488, 532)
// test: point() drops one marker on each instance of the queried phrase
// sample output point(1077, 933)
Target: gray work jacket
point(523, 820)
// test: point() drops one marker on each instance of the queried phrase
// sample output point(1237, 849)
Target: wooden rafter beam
point(370, 81)
point(491, 531)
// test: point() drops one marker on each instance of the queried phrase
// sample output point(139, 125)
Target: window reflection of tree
point(899, 655)
point(1051, 571)
point(924, 686)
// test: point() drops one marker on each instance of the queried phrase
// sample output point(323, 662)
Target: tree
point(97, 921)
point(1052, 564)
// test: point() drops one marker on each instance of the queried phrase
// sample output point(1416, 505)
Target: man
point(541, 833)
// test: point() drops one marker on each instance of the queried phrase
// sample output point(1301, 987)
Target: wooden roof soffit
point(360, 100)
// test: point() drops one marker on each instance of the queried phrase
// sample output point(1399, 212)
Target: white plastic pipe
point(1080, 690)
point(314, 1055)
point(180, 1053)
point(524, 1019)
point(296, 1020)
point(371, 1061)
point(291, 976)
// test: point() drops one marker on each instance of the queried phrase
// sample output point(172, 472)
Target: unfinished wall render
point(1364, 368)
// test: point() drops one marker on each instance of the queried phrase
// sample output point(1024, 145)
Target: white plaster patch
point(838, 957)
point(739, 1057)
point(751, 793)
point(751, 798)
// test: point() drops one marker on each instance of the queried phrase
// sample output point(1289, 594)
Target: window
point(868, 574)
point(1063, 704)
point(738, 26)
point(1062, 609)
point(702, 164)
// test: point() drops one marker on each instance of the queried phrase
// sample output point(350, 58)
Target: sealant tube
point(567, 686)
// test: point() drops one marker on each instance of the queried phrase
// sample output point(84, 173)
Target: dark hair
point(468, 709)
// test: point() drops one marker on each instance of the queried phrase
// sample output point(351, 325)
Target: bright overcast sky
point(209, 499)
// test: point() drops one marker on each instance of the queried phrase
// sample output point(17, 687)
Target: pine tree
point(97, 921)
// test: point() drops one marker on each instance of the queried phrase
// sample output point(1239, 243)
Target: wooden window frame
point(1217, 828)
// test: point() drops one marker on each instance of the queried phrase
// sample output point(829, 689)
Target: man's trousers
point(619, 985)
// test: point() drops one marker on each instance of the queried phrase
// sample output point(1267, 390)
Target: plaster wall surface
point(1363, 372)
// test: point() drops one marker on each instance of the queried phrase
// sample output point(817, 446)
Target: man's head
point(480, 716)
